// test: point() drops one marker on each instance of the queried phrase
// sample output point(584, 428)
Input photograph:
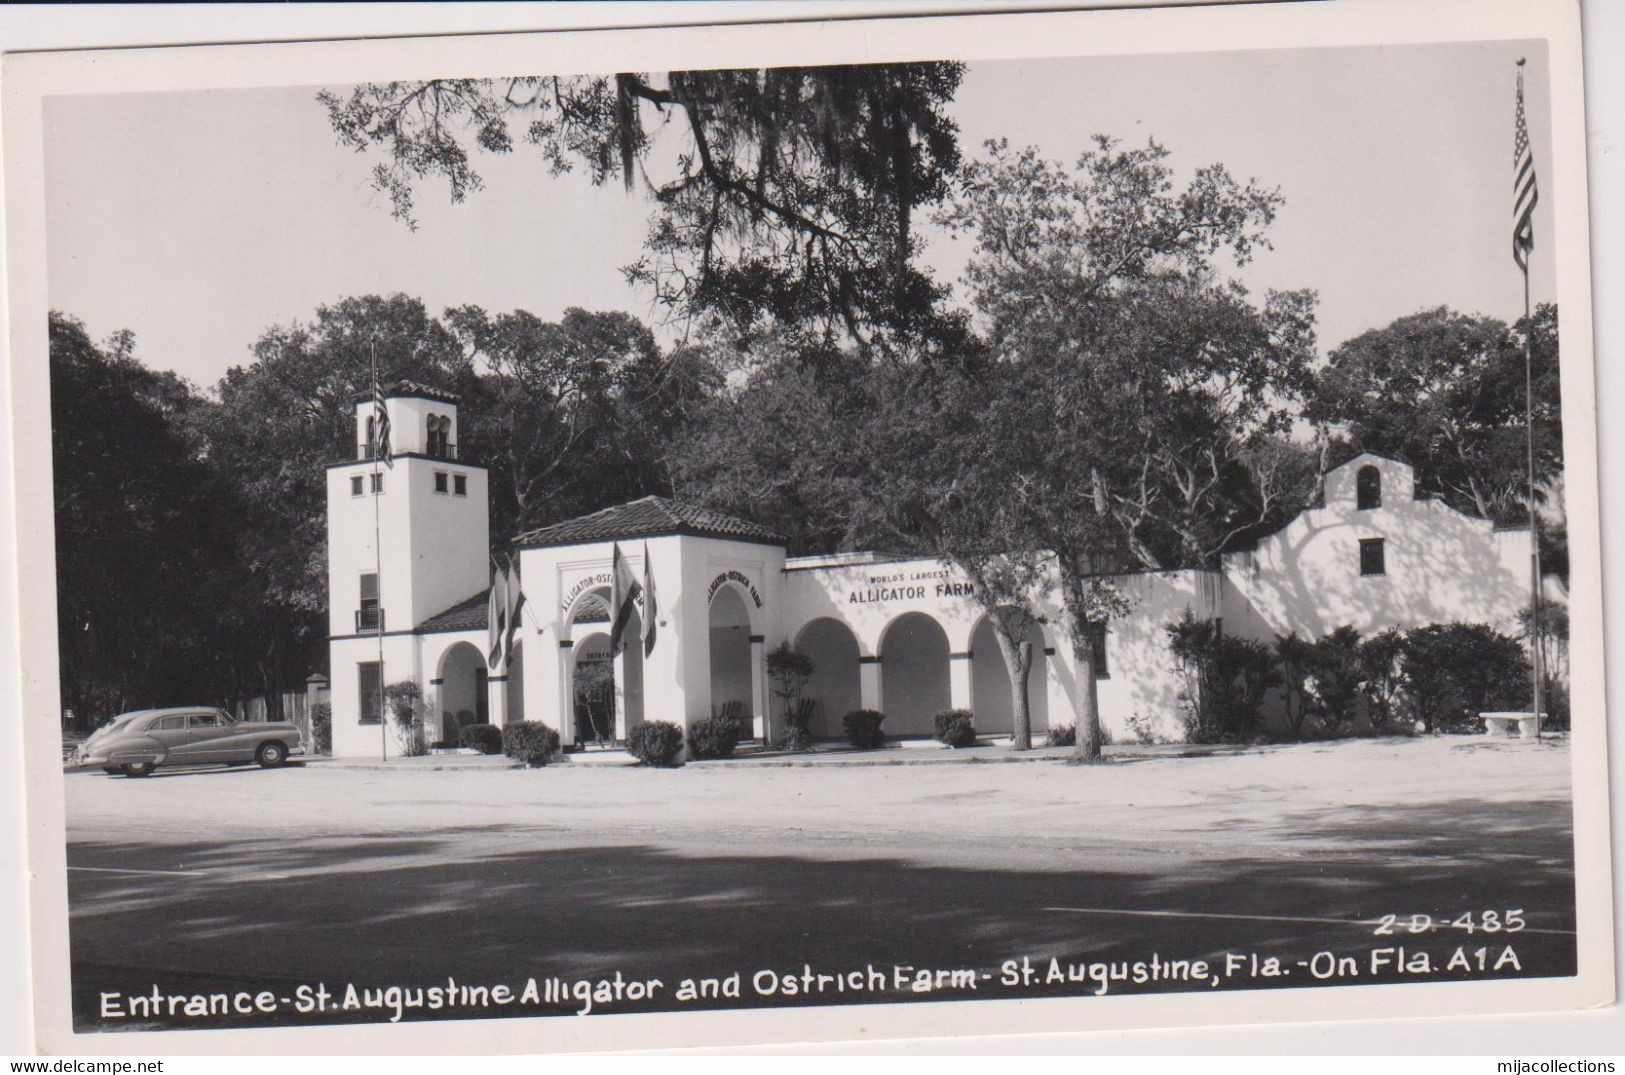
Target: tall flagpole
point(378, 558)
point(1523, 233)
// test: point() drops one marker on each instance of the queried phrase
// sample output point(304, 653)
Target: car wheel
point(270, 755)
point(140, 768)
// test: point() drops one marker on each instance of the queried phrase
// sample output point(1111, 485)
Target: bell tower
point(426, 507)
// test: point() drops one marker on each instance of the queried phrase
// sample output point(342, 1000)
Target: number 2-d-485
point(1508, 921)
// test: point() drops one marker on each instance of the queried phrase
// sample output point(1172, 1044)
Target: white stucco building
point(902, 636)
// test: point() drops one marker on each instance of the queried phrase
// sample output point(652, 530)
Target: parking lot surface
point(213, 881)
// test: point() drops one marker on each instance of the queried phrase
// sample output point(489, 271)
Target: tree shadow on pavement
point(496, 903)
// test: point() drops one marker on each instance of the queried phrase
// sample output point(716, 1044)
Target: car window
point(168, 724)
point(205, 720)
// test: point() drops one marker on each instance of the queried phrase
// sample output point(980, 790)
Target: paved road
point(824, 882)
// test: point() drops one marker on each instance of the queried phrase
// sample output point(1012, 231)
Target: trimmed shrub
point(529, 741)
point(1377, 658)
point(1335, 679)
point(795, 737)
point(1225, 680)
point(714, 738)
point(1062, 735)
point(955, 728)
point(321, 728)
point(404, 701)
point(485, 738)
point(1455, 671)
point(656, 743)
point(863, 729)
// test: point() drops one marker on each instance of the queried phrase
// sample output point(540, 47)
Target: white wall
point(434, 544)
point(350, 737)
point(1441, 565)
point(1139, 697)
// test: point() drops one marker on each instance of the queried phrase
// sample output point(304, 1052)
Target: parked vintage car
point(137, 743)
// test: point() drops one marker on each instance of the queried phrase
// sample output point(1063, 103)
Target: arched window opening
point(1368, 488)
point(439, 444)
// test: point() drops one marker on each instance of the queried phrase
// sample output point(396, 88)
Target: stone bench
point(1528, 724)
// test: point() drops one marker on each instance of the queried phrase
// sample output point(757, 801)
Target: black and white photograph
point(897, 520)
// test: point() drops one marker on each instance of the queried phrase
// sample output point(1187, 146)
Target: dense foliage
point(1109, 398)
point(1454, 671)
point(485, 738)
point(955, 728)
point(863, 729)
point(529, 741)
point(1225, 680)
point(656, 743)
point(715, 737)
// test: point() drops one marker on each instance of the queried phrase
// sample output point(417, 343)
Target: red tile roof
point(652, 516)
point(469, 614)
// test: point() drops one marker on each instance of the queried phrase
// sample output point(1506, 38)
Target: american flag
point(380, 427)
point(1524, 194)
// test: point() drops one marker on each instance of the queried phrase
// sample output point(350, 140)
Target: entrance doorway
point(730, 660)
point(606, 692)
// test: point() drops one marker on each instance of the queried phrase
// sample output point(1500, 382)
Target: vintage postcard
point(791, 532)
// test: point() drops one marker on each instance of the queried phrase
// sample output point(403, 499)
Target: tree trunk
point(1086, 725)
point(1018, 660)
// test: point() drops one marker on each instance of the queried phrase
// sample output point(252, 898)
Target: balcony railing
point(369, 621)
point(432, 450)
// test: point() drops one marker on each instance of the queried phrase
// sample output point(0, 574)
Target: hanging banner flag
point(496, 619)
point(651, 606)
point(623, 587)
point(516, 601)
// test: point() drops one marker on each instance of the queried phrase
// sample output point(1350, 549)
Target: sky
point(197, 220)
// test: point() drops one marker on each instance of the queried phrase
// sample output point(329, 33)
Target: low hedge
point(863, 729)
point(529, 741)
point(321, 728)
point(714, 738)
point(485, 738)
point(1062, 735)
point(955, 728)
point(795, 738)
point(657, 744)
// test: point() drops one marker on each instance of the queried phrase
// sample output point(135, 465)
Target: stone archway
point(461, 691)
point(730, 638)
point(914, 675)
point(592, 689)
point(621, 676)
point(990, 682)
point(834, 687)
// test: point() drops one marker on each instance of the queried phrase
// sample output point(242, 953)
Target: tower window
point(1371, 557)
point(356, 487)
point(460, 485)
point(1368, 488)
point(439, 481)
point(368, 616)
point(439, 436)
point(370, 678)
point(377, 483)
